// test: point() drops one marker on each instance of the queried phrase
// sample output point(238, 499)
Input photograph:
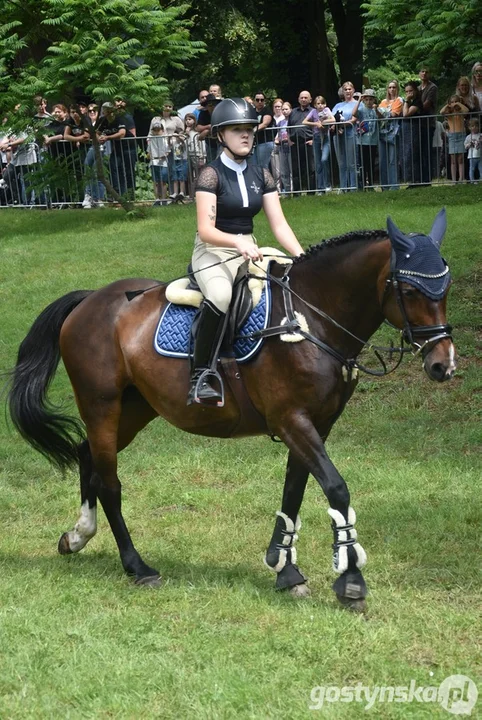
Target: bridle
point(420, 337)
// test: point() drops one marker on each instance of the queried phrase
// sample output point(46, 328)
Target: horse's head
point(416, 299)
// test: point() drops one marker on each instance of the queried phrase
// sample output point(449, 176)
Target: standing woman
point(389, 109)
point(477, 81)
point(285, 142)
point(344, 138)
point(411, 134)
point(229, 193)
point(278, 118)
point(467, 96)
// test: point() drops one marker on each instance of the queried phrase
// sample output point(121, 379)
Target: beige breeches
point(216, 283)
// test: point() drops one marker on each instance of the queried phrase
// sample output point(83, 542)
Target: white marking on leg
point(85, 528)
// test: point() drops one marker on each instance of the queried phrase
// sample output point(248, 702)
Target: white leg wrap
point(286, 552)
point(85, 528)
point(345, 536)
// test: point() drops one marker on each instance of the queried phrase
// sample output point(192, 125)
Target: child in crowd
point(455, 111)
point(473, 144)
point(319, 119)
point(158, 151)
point(196, 149)
point(438, 156)
point(178, 168)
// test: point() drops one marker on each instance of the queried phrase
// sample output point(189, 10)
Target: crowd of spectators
point(363, 141)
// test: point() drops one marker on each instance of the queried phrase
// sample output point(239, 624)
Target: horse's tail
point(54, 435)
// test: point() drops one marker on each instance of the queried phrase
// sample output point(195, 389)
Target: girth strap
point(248, 415)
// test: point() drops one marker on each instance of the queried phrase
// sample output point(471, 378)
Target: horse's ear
point(399, 241)
point(439, 228)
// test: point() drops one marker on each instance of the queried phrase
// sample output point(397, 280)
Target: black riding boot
point(210, 328)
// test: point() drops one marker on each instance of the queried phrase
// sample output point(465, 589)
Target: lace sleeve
point(207, 180)
point(269, 183)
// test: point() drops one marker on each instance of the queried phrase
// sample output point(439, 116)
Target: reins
point(292, 326)
point(408, 333)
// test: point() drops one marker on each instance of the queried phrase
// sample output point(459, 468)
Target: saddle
point(249, 312)
point(247, 292)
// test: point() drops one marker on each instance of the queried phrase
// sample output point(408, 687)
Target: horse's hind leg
point(103, 440)
point(281, 553)
point(111, 425)
point(86, 526)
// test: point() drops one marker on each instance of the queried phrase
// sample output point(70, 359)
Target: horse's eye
point(408, 292)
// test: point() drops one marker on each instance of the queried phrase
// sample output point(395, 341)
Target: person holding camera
point(365, 111)
point(456, 112)
point(344, 136)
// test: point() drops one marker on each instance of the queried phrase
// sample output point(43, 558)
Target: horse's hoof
point(149, 581)
point(300, 591)
point(358, 605)
point(64, 546)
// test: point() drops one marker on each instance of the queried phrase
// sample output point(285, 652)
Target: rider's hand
point(248, 249)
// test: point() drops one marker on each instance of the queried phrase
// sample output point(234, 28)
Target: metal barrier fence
point(381, 154)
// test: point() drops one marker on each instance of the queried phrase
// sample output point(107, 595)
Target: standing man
point(203, 127)
point(429, 100)
point(116, 128)
point(302, 148)
point(202, 97)
point(264, 138)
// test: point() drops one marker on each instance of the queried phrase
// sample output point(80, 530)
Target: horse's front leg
point(281, 553)
point(349, 557)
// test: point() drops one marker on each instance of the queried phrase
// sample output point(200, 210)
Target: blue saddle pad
point(173, 332)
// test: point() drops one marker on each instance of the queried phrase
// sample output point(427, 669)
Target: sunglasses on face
point(259, 99)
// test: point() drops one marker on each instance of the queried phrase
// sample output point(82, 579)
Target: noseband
point(422, 338)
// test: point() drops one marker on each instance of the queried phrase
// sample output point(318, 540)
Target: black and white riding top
point(239, 189)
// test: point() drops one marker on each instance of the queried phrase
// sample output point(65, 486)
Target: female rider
point(229, 193)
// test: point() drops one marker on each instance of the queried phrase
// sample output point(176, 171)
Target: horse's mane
point(355, 236)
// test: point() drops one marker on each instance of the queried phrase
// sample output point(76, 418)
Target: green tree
point(445, 34)
point(102, 48)
point(262, 44)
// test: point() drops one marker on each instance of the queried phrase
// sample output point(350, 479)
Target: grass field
point(78, 640)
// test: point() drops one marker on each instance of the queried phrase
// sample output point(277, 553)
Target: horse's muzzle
point(440, 362)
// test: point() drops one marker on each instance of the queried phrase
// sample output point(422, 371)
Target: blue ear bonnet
point(424, 268)
point(416, 259)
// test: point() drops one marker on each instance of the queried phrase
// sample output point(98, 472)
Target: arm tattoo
point(213, 210)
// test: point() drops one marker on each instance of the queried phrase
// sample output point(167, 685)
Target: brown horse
point(344, 288)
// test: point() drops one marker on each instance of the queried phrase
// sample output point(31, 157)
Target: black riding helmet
point(233, 111)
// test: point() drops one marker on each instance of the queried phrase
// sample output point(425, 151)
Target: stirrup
point(201, 391)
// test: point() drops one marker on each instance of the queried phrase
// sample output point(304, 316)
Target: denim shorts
point(456, 143)
point(159, 174)
point(179, 170)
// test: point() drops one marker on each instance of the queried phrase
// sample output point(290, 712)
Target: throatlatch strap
point(345, 536)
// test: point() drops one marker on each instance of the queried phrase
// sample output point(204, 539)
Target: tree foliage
point(102, 48)
point(445, 34)
point(282, 48)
